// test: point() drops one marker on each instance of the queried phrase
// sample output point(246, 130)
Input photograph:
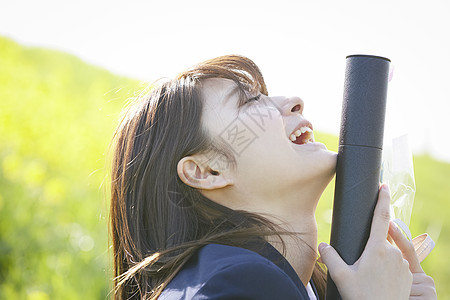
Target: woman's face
point(272, 142)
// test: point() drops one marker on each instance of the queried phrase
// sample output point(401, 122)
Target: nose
point(292, 105)
point(287, 105)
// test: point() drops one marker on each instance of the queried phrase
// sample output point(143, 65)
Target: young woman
point(214, 190)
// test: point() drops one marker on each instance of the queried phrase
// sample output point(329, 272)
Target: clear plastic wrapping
point(398, 172)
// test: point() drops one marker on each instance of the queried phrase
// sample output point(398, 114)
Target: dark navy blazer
point(226, 272)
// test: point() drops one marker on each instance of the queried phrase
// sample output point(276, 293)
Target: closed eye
point(256, 98)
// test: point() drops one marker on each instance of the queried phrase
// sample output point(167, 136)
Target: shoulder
point(226, 272)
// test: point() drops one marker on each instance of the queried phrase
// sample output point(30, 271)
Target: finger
point(336, 266)
point(416, 290)
point(422, 278)
point(381, 216)
point(422, 290)
point(390, 240)
point(406, 247)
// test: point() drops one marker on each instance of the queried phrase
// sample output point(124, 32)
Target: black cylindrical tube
point(359, 157)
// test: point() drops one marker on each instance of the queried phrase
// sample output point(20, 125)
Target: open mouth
point(302, 136)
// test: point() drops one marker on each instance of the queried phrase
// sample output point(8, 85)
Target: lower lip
point(313, 145)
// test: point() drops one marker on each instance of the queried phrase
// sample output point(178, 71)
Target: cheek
point(267, 156)
point(263, 119)
point(253, 131)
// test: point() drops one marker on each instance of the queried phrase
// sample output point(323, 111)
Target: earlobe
point(200, 176)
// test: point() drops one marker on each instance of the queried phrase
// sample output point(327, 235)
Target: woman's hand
point(423, 285)
point(381, 272)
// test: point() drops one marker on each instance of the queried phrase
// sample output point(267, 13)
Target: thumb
point(333, 261)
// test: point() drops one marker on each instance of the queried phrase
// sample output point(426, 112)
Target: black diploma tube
point(359, 157)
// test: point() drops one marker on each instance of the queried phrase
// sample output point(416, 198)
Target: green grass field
point(57, 116)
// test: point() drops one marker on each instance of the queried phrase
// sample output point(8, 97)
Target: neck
point(300, 249)
point(297, 214)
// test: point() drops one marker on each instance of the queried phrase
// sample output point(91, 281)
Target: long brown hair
point(156, 221)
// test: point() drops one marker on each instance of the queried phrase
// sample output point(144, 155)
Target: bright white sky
point(299, 45)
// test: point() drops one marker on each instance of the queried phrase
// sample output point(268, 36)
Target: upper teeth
point(299, 132)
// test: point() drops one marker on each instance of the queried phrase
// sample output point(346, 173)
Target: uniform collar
point(266, 250)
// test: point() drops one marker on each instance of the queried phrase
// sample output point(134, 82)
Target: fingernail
point(321, 246)
point(385, 187)
point(395, 226)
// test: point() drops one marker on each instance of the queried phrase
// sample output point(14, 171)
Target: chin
point(332, 161)
point(327, 170)
point(327, 163)
point(331, 170)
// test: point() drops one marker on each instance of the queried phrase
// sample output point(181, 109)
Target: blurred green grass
point(57, 116)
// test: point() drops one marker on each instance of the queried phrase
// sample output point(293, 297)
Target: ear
point(199, 175)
